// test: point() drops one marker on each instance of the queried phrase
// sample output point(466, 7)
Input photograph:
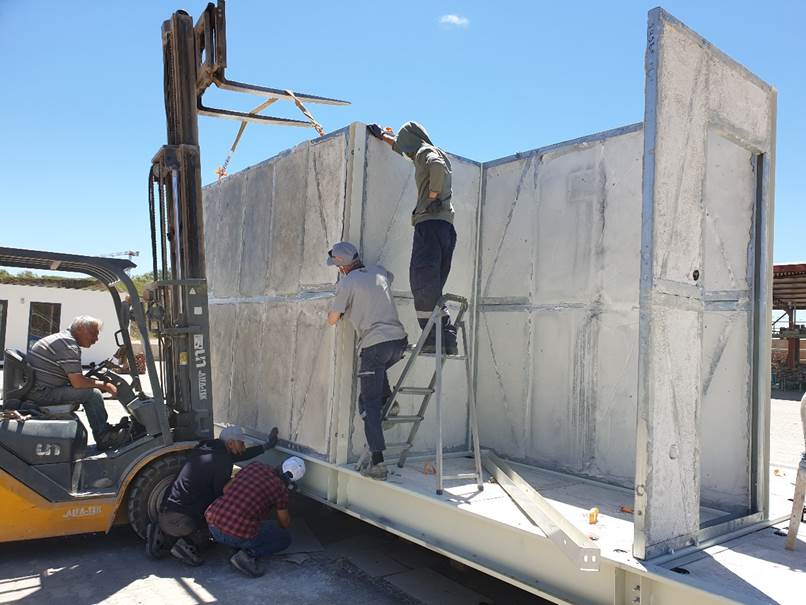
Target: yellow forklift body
point(28, 516)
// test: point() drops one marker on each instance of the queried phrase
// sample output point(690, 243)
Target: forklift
point(51, 482)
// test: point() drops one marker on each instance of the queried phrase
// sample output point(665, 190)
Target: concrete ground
point(348, 562)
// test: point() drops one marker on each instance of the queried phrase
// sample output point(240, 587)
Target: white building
point(29, 312)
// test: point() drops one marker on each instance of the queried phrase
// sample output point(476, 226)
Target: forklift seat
point(18, 380)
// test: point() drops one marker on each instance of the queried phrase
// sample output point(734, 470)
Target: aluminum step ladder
point(389, 414)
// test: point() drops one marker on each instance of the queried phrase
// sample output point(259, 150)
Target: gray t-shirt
point(53, 358)
point(365, 298)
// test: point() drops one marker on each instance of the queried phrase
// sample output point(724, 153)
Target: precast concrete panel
point(708, 146)
point(566, 221)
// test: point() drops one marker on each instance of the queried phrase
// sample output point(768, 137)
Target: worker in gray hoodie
point(432, 217)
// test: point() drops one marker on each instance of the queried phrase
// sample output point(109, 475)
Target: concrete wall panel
point(504, 392)
point(707, 122)
point(255, 240)
point(565, 220)
point(726, 410)
point(223, 210)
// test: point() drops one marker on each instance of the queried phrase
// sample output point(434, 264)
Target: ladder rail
point(435, 388)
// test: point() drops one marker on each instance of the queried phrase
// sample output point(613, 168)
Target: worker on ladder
point(434, 234)
point(363, 295)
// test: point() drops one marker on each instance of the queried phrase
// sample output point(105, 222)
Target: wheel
point(148, 490)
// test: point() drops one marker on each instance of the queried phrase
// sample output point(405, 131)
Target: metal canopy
point(789, 285)
point(106, 270)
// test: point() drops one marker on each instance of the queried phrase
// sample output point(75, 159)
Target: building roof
point(789, 285)
point(52, 282)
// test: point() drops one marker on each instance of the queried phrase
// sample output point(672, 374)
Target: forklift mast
point(194, 58)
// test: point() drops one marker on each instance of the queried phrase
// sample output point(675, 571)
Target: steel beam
point(517, 555)
point(573, 543)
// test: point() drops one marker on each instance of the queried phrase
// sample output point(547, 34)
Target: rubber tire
point(148, 488)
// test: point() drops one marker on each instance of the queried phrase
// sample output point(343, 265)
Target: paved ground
point(786, 443)
point(351, 562)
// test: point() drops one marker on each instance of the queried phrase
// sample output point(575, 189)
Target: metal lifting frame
point(194, 57)
point(211, 56)
point(390, 418)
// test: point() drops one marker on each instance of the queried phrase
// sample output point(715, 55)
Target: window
point(44, 321)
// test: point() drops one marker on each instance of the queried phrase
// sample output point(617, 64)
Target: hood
point(410, 138)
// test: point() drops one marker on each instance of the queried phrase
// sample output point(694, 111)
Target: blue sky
point(82, 107)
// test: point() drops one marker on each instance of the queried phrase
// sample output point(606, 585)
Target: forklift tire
point(148, 490)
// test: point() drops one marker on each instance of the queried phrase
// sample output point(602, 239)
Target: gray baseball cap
point(342, 254)
point(231, 433)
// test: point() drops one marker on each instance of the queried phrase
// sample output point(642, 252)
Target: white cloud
point(454, 21)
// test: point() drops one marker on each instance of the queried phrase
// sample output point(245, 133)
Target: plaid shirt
point(247, 501)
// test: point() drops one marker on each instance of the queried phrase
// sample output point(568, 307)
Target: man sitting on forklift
point(56, 360)
point(181, 528)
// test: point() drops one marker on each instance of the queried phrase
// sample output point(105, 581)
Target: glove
point(272, 441)
point(375, 131)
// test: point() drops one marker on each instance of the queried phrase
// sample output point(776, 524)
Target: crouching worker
point(239, 518)
point(364, 296)
point(181, 528)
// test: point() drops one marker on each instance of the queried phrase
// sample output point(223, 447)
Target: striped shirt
point(248, 500)
point(53, 358)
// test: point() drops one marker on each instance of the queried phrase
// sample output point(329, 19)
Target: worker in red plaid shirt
point(240, 517)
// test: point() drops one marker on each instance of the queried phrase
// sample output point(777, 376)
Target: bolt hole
point(696, 274)
point(681, 570)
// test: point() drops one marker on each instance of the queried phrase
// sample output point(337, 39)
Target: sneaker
point(187, 553)
point(156, 545)
point(113, 439)
point(376, 471)
point(246, 564)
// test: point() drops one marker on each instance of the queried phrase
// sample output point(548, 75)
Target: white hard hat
point(295, 467)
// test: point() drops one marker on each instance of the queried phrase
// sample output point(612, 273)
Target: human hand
point(375, 131)
point(110, 388)
point(272, 440)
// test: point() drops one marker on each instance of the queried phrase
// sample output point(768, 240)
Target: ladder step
point(460, 476)
point(401, 445)
point(416, 390)
point(400, 419)
point(411, 350)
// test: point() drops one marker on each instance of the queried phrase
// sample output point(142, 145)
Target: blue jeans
point(375, 360)
point(91, 399)
point(270, 539)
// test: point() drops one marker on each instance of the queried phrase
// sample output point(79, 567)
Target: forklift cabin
point(44, 447)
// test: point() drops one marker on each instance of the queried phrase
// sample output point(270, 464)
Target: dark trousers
point(431, 255)
point(270, 539)
point(375, 390)
point(91, 399)
point(180, 525)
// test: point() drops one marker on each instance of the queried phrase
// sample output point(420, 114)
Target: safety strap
point(221, 171)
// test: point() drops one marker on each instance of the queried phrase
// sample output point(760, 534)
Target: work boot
point(156, 543)
point(247, 564)
point(376, 471)
point(187, 553)
point(449, 344)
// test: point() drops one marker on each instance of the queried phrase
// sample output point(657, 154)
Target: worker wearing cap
point(363, 295)
point(434, 235)
point(181, 528)
point(239, 517)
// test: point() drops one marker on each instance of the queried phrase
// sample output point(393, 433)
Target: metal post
point(438, 392)
point(474, 422)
